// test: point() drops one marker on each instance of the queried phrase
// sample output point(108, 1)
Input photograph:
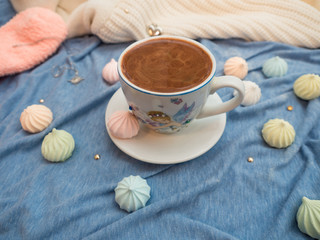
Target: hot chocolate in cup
point(167, 80)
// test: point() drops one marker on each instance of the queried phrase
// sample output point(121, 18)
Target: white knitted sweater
point(289, 21)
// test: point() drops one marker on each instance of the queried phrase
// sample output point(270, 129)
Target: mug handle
point(221, 82)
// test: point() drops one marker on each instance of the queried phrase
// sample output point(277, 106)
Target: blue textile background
point(219, 195)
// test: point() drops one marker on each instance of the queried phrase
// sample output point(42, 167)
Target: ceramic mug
point(171, 112)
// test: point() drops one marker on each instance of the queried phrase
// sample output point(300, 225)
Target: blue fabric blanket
point(219, 195)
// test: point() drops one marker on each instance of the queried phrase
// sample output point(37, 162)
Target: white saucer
point(152, 147)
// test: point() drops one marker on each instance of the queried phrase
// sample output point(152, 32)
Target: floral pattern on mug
point(176, 100)
point(161, 121)
point(182, 115)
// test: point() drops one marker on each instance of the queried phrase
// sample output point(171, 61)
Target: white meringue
point(307, 86)
point(132, 193)
point(110, 73)
point(236, 66)
point(123, 124)
point(278, 133)
point(36, 118)
point(252, 93)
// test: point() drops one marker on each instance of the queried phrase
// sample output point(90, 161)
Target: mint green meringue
point(57, 146)
point(132, 193)
point(308, 217)
point(275, 67)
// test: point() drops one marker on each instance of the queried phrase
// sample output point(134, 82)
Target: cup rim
point(202, 84)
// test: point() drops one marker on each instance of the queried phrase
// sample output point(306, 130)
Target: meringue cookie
point(308, 217)
point(236, 66)
point(132, 193)
point(35, 118)
point(307, 86)
point(123, 124)
point(57, 146)
point(110, 72)
point(278, 133)
point(252, 93)
point(275, 67)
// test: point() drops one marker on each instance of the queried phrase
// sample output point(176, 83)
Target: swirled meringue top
point(36, 118)
point(110, 72)
point(307, 86)
point(308, 217)
point(123, 124)
point(132, 193)
point(57, 146)
point(252, 93)
point(275, 67)
point(236, 66)
point(278, 133)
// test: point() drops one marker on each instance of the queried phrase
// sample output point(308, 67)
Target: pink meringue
point(236, 66)
point(110, 72)
point(123, 124)
point(35, 118)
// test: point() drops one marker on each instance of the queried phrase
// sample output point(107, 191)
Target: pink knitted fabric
point(29, 38)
